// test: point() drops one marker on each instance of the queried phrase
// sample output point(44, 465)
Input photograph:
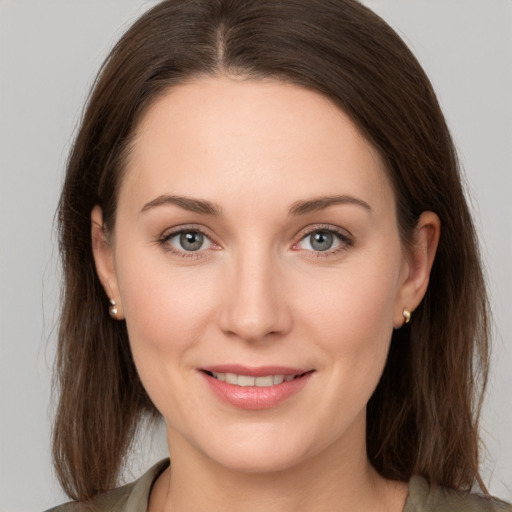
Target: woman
point(265, 241)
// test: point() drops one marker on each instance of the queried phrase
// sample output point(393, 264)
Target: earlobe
point(104, 261)
point(420, 258)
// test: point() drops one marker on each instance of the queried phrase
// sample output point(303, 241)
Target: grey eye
point(187, 241)
point(321, 240)
point(191, 240)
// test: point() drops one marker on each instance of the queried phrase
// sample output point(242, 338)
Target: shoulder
point(132, 497)
point(113, 501)
point(424, 498)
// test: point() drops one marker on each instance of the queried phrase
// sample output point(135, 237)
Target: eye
point(187, 240)
point(322, 240)
point(191, 240)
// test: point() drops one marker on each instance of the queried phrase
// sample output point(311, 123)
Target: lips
point(255, 388)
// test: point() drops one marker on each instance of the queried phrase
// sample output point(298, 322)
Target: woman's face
point(257, 262)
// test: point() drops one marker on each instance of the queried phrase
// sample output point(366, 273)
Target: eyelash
point(163, 241)
point(346, 241)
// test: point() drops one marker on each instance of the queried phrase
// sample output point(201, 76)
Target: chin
point(259, 450)
point(257, 460)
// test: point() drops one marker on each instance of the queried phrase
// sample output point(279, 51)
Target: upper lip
point(254, 371)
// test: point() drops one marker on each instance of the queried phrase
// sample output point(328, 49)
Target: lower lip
point(253, 397)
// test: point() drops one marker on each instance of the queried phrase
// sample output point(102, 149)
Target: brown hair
point(423, 416)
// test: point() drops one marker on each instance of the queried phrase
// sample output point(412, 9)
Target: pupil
point(191, 240)
point(321, 240)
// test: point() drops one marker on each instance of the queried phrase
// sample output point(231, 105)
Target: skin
point(258, 293)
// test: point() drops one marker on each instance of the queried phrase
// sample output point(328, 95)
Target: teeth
point(247, 380)
point(277, 379)
point(231, 378)
point(264, 382)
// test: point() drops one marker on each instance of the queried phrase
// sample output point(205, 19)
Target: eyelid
point(343, 233)
point(170, 233)
point(345, 238)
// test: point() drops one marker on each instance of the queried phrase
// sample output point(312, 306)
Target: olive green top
point(422, 498)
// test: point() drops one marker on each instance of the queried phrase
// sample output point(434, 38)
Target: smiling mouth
point(264, 381)
point(255, 388)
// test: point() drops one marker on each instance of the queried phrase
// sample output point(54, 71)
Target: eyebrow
point(187, 203)
point(207, 208)
point(320, 203)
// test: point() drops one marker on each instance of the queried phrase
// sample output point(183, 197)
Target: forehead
point(222, 138)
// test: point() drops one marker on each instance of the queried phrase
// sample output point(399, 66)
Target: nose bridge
point(253, 305)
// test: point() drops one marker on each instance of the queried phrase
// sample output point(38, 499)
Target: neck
point(338, 479)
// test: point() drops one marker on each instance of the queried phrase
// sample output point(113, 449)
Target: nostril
point(253, 310)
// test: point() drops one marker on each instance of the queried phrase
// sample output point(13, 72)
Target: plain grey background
point(49, 53)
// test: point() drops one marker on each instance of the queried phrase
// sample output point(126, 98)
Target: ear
point(104, 259)
point(417, 267)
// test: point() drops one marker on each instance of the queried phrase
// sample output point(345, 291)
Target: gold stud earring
point(113, 308)
point(407, 315)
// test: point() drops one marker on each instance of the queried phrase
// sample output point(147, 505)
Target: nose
point(253, 305)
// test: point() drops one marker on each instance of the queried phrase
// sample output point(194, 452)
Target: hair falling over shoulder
point(423, 416)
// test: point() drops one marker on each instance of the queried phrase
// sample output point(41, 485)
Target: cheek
point(166, 315)
point(161, 306)
point(165, 311)
point(350, 316)
point(354, 301)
